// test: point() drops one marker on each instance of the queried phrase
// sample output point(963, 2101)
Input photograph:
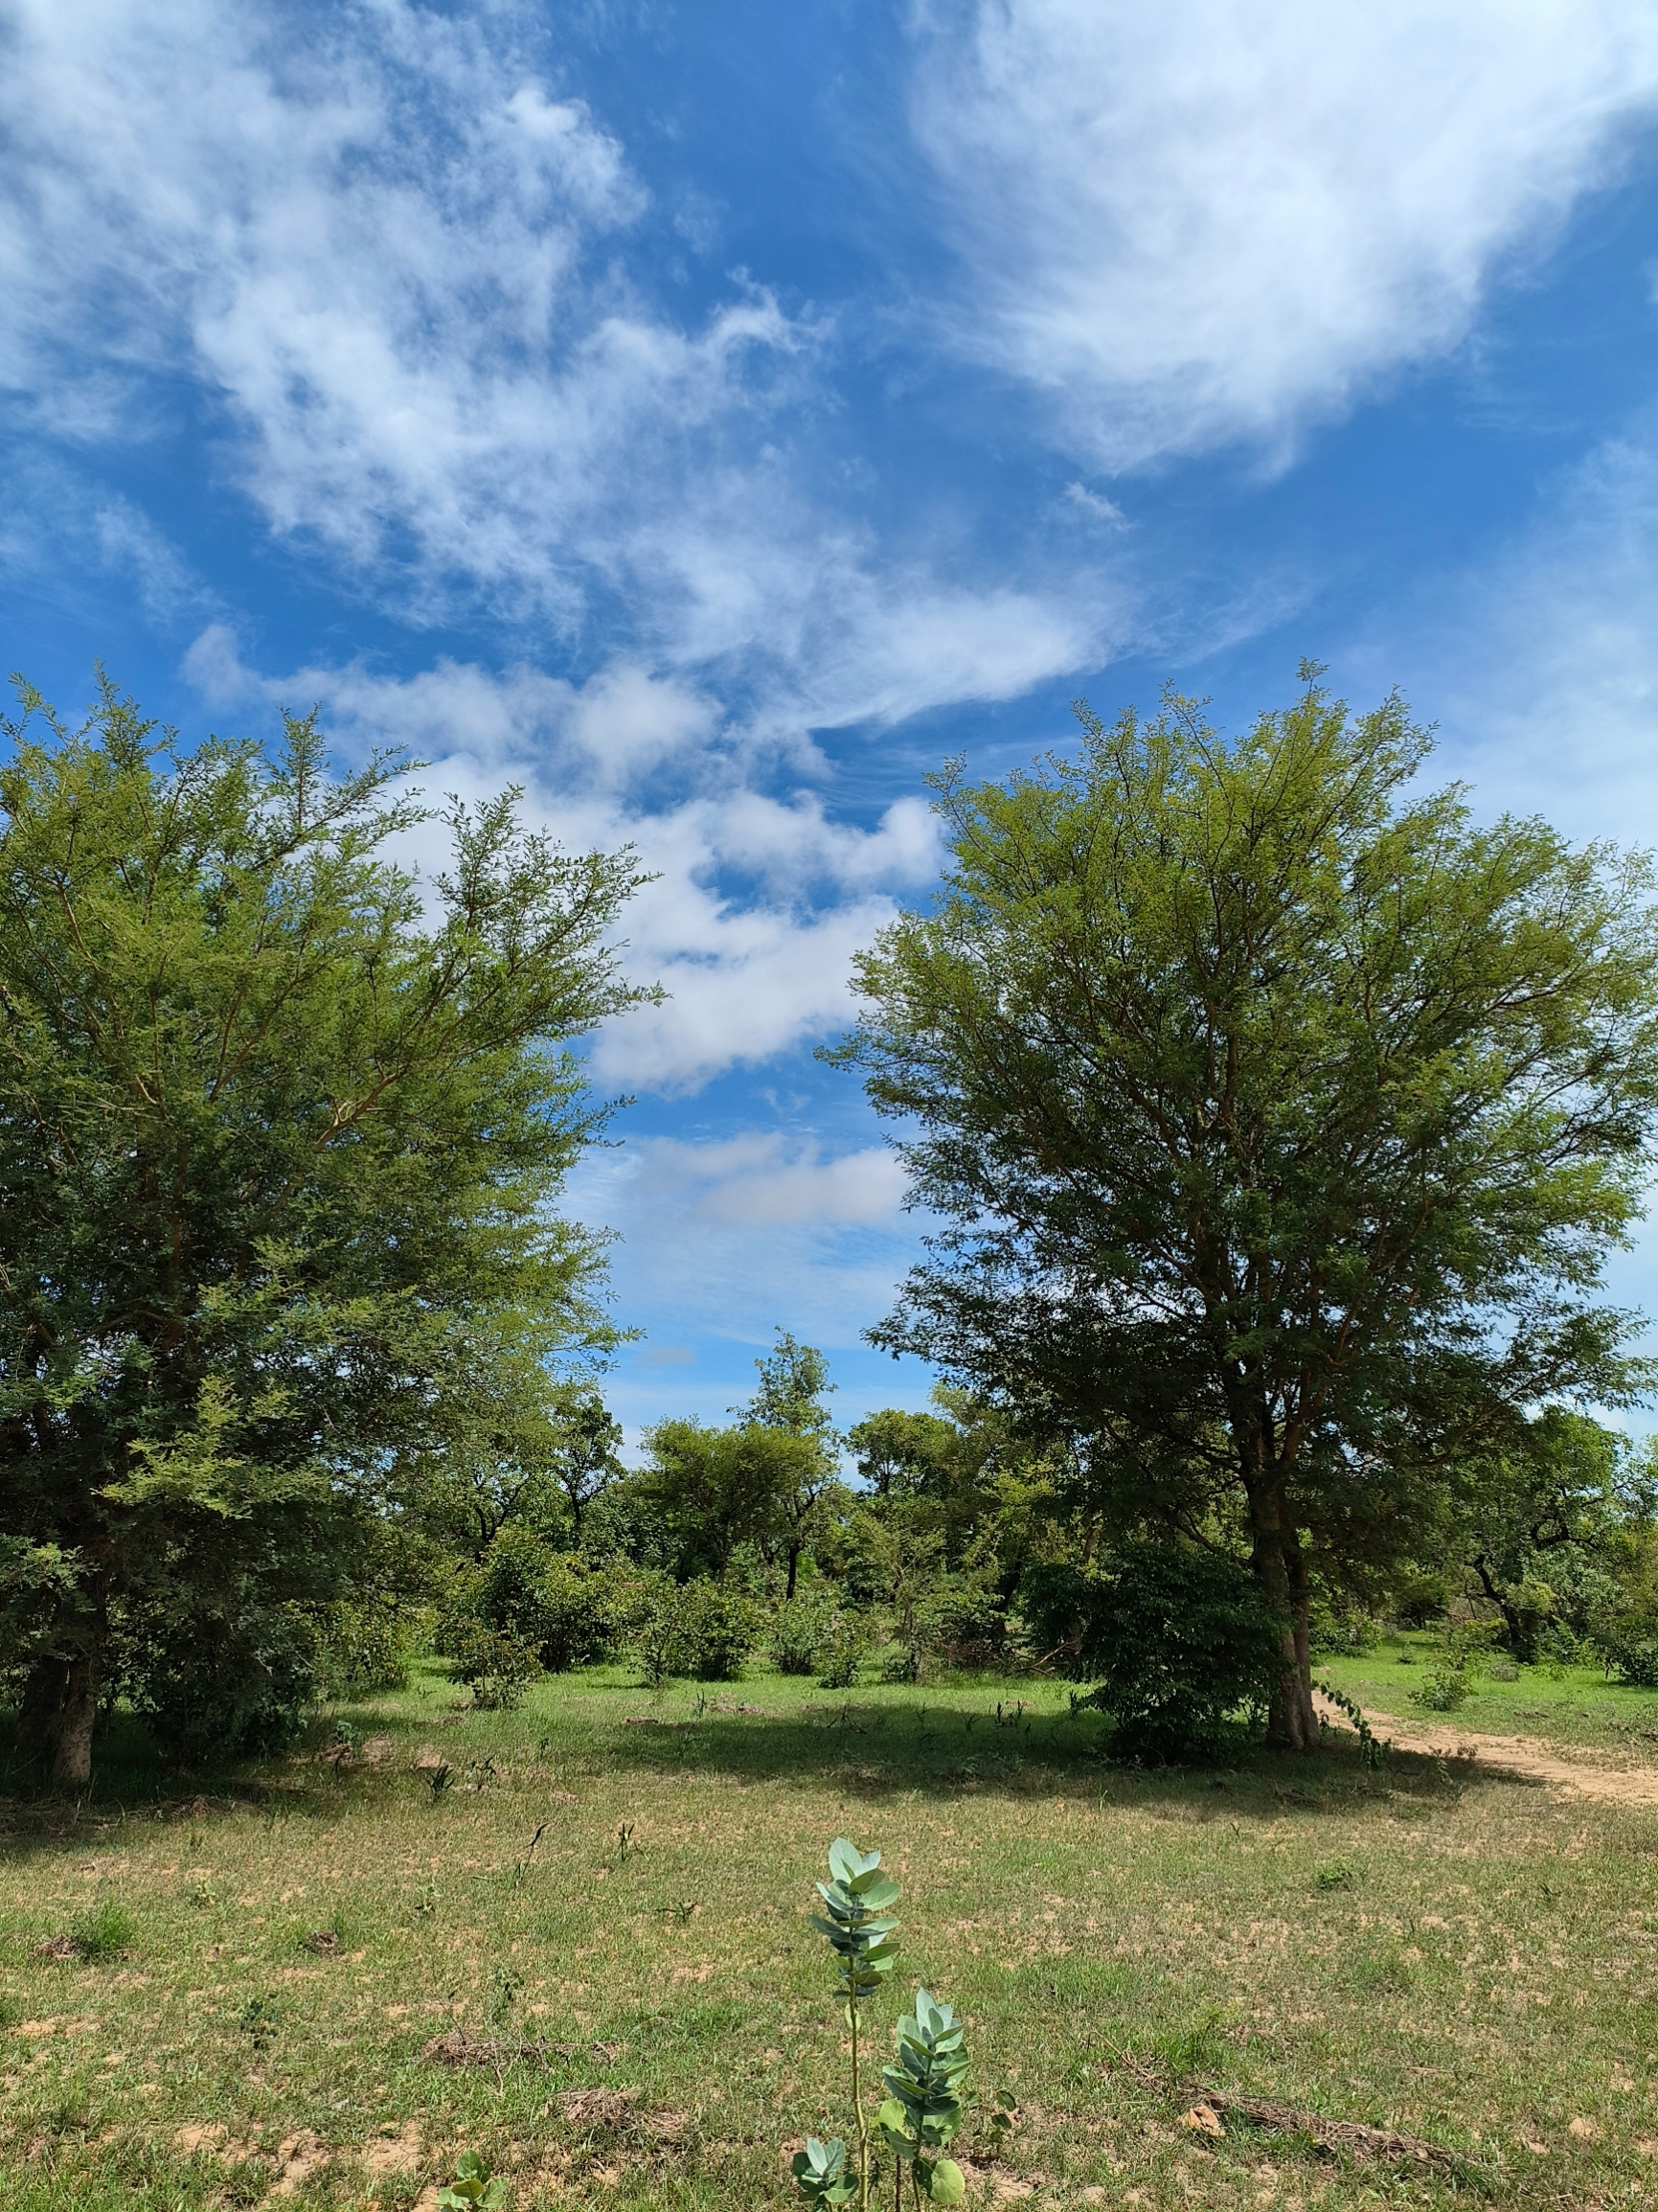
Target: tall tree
point(1280, 1117)
point(279, 1133)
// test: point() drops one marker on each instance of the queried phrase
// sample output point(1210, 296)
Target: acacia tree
point(278, 1142)
point(793, 1384)
point(1279, 1118)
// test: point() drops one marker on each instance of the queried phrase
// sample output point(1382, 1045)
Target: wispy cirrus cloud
point(1212, 221)
point(415, 279)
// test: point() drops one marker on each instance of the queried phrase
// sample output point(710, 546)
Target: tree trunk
point(71, 1769)
point(794, 1570)
point(42, 1707)
point(1281, 1568)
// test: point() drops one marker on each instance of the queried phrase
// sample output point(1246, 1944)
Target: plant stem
point(858, 2112)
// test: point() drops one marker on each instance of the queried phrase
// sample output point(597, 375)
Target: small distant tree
point(586, 1441)
point(1554, 1499)
point(1280, 1117)
point(794, 1383)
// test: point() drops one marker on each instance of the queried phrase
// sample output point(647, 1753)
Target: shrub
point(696, 1628)
point(797, 1632)
point(210, 1690)
point(1629, 1656)
point(363, 1648)
point(498, 1667)
point(843, 1649)
point(716, 1632)
point(1178, 1640)
point(562, 1604)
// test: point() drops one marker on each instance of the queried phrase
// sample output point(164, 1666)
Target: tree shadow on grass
point(951, 1751)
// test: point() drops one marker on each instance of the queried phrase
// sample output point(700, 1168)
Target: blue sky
point(711, 416)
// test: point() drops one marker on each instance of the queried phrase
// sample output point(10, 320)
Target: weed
point(623, 1837)
point(505, 1990)
point(439, 1780)
point(1194, 2050)
point(1336, 1875)
point(475, 2189)
point(104, 1933)
point(528, 1858)
point(72, 2114)
point(257, 2021)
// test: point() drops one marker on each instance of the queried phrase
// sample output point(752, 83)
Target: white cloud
point(417, 279)
point(831, 1241)
point(760, 902)
point(1212, 220)
point(764, 1177)
point(1541, 668)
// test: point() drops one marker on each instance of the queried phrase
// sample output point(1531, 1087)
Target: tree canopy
point(1279, 1116)
point(279, 1133)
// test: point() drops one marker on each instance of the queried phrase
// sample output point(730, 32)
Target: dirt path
point(1584, 1773)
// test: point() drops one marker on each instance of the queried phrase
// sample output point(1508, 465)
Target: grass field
point(1467, 1958)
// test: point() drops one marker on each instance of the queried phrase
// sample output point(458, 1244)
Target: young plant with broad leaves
point(923, 2108)
point(474, 2188)
point(855, 1919)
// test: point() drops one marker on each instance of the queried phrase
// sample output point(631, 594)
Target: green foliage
point(821, 2174)
point(568, 1609)
point(498, 1667)
point(797, 1634)
point(716, 1489)
point(104, 1933)
point(696, 1629)
point(1343, 1097)
point(843, 1648)
point(1178, 1640)
point(473, 2189)
point(364, 1648)
point(259, 2019)
point(856, 1919)
point(223, 1683)
point(281, 1137)
point(855, 1900)
point(1372, 1748)
point(924, 2106)
point(1448, 1685)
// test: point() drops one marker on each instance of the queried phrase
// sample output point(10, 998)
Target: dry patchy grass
point(1466, 1957)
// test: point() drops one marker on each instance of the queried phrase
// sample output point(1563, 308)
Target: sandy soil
point(1582, 1773)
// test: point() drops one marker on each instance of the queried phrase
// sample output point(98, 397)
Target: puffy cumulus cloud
point(1212, 220)
point(766, 1177)
point(759, 901)
point(834, 1242)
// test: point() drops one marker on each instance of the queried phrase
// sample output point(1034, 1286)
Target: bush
point(1629, 1656)
point(797, 1632)
point(696, 1628)
point(844, 1648)
point(565, 1607)
point(1178, 1640)
point(209, 1690)
point(363, 1648)
point(968, 1627)
point(498, 1667)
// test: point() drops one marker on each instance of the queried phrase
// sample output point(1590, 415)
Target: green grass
point(1471, 1959)
point(1562, 1705)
